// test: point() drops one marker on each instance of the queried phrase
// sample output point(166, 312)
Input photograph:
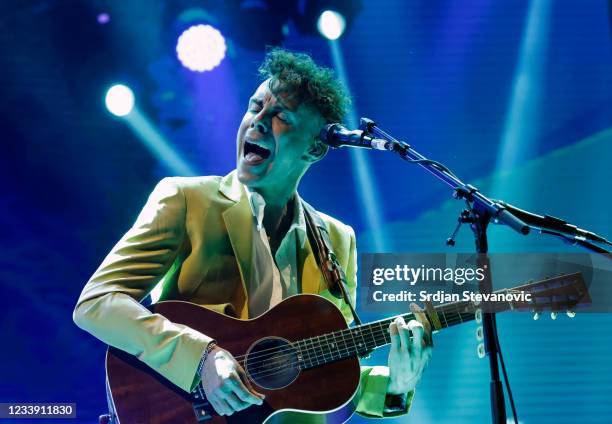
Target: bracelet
point(208, 349)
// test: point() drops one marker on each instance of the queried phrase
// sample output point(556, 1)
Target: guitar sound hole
point(272, 363)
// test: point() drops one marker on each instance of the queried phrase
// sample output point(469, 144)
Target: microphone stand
point(479, 213)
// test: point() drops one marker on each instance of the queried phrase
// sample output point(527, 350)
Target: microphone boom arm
point(497, 211)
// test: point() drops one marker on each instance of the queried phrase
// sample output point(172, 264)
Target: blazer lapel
point(239, 223)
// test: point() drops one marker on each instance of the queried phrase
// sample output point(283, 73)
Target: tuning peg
point(553, 315)
point(479, 333)
point(480, 350)
point(536, 316)
point(571, 314)
point(478, 316)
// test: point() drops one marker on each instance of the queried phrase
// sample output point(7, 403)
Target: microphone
point(336, 135)
point(552, 223)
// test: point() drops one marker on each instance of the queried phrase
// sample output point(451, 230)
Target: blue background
point(514, 96)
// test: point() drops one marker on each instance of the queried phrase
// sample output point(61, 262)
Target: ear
point(316, 151)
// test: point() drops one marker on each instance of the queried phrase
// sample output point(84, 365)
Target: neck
point(276, 202)
point(279, 205)
point(277, 219)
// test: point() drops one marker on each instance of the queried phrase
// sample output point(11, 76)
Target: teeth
point(257, 149)
point(257, 144)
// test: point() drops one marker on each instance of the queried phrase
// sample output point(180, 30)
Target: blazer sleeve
point(374, 379)
point(109, 306)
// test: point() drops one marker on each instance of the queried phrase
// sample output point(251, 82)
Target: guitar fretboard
point(359, 340)
point(563, 292)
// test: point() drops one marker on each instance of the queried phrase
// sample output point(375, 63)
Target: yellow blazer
point(194, 236)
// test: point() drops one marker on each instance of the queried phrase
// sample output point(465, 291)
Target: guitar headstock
point(564, 293)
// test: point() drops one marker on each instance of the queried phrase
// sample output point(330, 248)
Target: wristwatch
point(395, 403)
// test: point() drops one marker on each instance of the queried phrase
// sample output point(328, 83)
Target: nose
point(258, 124)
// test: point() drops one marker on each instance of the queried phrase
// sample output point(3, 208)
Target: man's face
point(275, 139)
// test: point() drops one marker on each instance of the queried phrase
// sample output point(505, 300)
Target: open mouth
point(255, 154)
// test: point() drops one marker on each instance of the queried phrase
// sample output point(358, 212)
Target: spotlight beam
point(522, 116)
point(367, 194)
point(157, 144)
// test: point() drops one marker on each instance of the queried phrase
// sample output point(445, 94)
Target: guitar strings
point(341, 333)
point(457, 318)
point(457, 309)
point(351, 331)
point(280, 369)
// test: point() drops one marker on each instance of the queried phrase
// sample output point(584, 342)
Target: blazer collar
point(231, 188)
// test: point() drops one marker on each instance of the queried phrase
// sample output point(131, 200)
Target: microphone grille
point(325, 135)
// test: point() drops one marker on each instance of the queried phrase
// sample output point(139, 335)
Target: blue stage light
point(331, 24)
point(103, 18)
point(201, 48)
point(119, 100)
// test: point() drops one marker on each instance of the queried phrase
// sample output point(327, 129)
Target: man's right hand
point(226, 385)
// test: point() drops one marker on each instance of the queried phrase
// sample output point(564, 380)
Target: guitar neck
point(563, 292)
point(364, 338)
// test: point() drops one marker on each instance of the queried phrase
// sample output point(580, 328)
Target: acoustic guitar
point(304, 367)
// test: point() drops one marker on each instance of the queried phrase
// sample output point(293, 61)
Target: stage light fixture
point(201, 48)
point(328, 18)
point(103, 18)
point(119, 100)
point(331, 24)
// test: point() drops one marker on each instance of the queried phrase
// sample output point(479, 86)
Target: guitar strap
point(321, 245)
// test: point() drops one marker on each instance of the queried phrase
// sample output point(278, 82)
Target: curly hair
point(313, 84)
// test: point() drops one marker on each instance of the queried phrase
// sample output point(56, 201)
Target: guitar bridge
point(202, 411)
point(201, 407)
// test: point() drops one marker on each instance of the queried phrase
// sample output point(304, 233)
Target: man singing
point(238, 245)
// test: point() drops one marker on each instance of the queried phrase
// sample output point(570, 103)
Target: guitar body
point(141, 396)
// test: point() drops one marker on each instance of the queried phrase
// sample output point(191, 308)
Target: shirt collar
point(258, 204)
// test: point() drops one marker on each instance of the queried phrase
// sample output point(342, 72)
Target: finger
point(220, 405)
point(419, 314)
point(404, 333)
point(416, 328)
point(245, 380)
point(235, 403)
point(215, 406)
point(394, 335)
point(428, 352)
point(242, 392)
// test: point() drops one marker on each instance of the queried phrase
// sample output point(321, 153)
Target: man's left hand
point(408, 355)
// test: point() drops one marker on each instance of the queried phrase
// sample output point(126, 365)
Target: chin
point(247, 178)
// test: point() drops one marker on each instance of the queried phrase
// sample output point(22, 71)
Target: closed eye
point(255, 105)
point(283, 117)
